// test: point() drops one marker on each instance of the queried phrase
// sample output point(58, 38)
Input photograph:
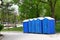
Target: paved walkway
point(25, 36)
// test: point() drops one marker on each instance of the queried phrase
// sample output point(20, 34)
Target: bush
point(1, 27)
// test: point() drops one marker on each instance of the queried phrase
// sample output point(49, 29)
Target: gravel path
point(26, 36)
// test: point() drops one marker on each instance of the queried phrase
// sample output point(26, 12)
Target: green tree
point(52, 5)
point(5, 11)
point(31, 7)
point(34, 7)
point(57, 11)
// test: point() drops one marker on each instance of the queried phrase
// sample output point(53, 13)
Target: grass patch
point(14, 29)
point(58, 27)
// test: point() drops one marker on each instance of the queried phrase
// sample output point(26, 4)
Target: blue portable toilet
point(25, 26)
point(51, 26)
point(34, 25)
point(30, 25)
point(45, 25)
point(48, 25)
point(39, 25)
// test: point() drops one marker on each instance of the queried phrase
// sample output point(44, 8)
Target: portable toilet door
point(25, 26)
point(45, 26)
point(39, 24)
point(34, 25)
point(30, 25)
point(51, 26)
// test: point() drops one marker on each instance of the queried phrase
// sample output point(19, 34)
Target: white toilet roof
point(26, 20)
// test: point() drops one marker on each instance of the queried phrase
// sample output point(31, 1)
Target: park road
point(26, 36)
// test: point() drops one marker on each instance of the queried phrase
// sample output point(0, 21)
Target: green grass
point(58, 27)
point(13, 29)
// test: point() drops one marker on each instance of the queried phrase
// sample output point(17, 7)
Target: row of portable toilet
point(42, 25)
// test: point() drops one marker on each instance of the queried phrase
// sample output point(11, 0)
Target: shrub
point(1, 27)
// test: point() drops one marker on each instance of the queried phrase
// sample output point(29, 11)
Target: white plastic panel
point(25, 20)
point(41, 18)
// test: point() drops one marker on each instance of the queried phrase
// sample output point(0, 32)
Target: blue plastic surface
point(51, 27)
point(25, 27)
point(30, 26)
point(39, 26)
point(48, 26)
point(45, 25)
point(34, 26)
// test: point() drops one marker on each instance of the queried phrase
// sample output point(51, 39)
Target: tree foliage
point(34, 8)
point(6, 14)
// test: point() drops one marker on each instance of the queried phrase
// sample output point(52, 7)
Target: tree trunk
point(53, 12)
point(37, 10)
